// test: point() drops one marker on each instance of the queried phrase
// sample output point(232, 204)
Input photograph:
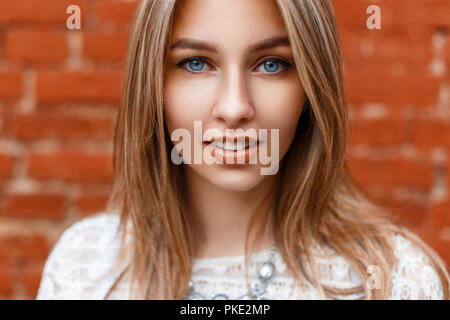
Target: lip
point(231, 157)
point(232, 139)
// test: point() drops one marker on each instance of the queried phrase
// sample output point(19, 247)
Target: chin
point(232, 178)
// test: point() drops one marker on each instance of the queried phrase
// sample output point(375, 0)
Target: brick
point(71, 166)
point(3, 20)
point(437, 13)
point(39, 11)
point(23, 248)
point(386, 47)
point(98, 87)
point(440, 214)
point(3, 121)
point(105, 47)
point(447, 52)
point(447, 169)
point(409, 213)
point(407, 210)
point(10, 85)
point(33, 206)
point(6, 280)
point(30, 278)
point(116, 11)
point(380, 131)
point(430, 132)
point(392, 172)
point(6, 166)
point(394, 69)
point(381, 87)
point(400, 13)
point(32, 45)
point(350, 14)
point(89, 126)
point(88, 203)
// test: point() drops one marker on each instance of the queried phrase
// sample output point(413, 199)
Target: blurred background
point(59, 96)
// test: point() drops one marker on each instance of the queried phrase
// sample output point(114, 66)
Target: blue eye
point(271, 65)
point(196, 65)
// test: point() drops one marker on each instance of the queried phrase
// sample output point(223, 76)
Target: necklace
point(257, 287)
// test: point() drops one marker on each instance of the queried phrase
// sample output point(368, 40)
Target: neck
point(221, 217)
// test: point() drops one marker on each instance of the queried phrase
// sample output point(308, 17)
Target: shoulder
point(413, 276)
point(101, 227)
point(80, 261)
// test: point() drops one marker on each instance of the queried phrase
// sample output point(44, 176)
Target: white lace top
point(79, 267)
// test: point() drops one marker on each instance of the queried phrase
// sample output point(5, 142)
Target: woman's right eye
point(194, 65)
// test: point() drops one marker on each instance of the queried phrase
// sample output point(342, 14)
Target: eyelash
point(284, 63)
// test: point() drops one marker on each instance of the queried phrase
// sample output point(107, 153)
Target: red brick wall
point(59, 92)
point(399, 90)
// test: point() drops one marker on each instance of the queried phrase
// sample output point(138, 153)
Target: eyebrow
point(188, 43)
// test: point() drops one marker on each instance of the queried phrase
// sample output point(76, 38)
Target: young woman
point(182, 228)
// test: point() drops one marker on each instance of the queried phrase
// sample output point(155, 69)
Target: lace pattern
point(80, 267)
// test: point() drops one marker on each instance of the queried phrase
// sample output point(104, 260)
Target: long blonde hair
point(316, 202)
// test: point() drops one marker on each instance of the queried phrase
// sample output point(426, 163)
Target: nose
point(233, 105)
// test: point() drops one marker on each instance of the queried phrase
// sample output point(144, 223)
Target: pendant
point(195, 296)
point(257, 287)
point(220, 296)
point(266, 271)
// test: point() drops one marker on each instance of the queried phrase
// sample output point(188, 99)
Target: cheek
point(280, 106)
point(186, 101)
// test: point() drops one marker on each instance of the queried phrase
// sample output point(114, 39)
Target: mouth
point(232, 144)
point(233, 150)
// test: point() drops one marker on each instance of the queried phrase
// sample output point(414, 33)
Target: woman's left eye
point(271, 65)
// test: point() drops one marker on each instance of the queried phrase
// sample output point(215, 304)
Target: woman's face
point(220, 73)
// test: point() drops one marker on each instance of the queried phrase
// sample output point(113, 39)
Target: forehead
point(223, 22)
